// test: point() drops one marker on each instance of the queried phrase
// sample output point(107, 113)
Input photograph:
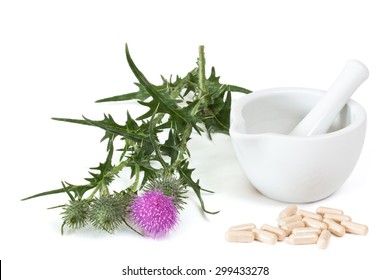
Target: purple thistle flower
point(154, 213)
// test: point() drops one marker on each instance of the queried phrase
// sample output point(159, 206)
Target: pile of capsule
point(299, 227)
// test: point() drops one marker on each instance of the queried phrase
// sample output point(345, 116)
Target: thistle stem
point(182, 147)
point(134, 186)
point(136, 231)
point(92, 195)
point(202, 71)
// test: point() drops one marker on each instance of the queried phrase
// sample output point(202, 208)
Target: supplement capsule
point(265, 236)
point(289, 227)
point(306, 230)
point(303, 238)
point(337, 217)
point(325, 210)
point(334, 227)
point(308, 214)
point(355, 228)
point(281, 234)
point(288, 211)
point(323, 240)
point(241, 236)
point(247, 227)
point(309, 222)
point(289, 219)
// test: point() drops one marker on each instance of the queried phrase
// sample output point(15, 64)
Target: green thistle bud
point(170, 186)
point(75, 214)
point(108, 212)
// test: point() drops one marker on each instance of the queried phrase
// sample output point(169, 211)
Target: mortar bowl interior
point(291, 168)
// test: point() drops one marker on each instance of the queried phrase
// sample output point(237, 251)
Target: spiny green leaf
point(164, 103)
point(186, 175)
point(141, 162)
point(106, 172)
point(108, 124)
point(141, 94)
point(218, 118)
point(107, 135)
point(77, 189)
point(68, 192)
point(213, 82)
point(170, 147)
point(78, 121)
point(154, 140)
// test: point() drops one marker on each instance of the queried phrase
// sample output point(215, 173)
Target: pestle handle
point(321, 117)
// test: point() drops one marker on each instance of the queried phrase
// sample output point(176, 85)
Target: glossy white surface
point(321, 117)
point(291, 168)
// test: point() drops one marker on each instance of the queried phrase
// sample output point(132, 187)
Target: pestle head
point(320, 118)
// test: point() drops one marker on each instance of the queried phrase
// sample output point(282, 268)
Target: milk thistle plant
point(159, 169)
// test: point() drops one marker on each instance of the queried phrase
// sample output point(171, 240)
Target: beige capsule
point(308, 214)
point(306, 230)
point(288, 211)
point(281, 234)
point(355, 228)
point(241, 236)
point(289, 219)
point(334, 227)
point(248, 227)
point(323, 239)
point(303, 238)
point(337, 217)
point(289, 227)
point(265, 236)
point(309, 222)
point(327, 210)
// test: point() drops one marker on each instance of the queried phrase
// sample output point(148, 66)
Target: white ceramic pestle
point(320, 118)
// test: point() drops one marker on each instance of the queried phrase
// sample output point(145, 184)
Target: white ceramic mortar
point(291, 168)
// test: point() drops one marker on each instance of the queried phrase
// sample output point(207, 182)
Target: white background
point(58, 57)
